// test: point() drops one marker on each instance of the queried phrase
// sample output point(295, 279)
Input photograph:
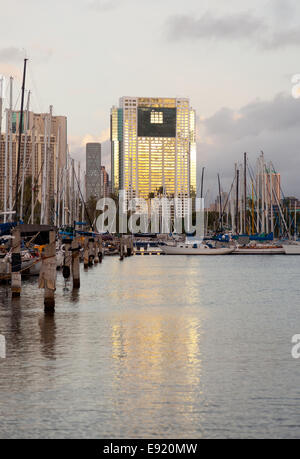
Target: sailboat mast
point(245, 193)
point(220, 204)
point(19, 143)
point(63, 196)
point(262, 165)
point(56, 180)
point(266, 199)
point(78, 194)
point(252, 208)
point(202, 180)
point(49, 168)
point(24, 155)
point(10, 154)
point(72, 197)
point(271, 198)
point(241, 206)
point(5, 164)
point(257, 195)
point(237, 201)
point(32, 174)
point(295, 233)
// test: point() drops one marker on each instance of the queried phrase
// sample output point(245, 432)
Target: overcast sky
point(234, 59)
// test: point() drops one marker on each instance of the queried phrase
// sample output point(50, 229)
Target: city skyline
point(236, 66)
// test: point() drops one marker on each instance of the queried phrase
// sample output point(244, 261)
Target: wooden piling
point(16, 264)
point(121, 249)
point(67, 259)
point(91, 252)
point(96, 251)
point(100, 250)
point(75, 263)
point(86, 253)
point(47, 279)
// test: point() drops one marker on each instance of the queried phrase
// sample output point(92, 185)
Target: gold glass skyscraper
point(153, 147)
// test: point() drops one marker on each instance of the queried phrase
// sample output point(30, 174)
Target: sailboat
point(292, 248)
point(193, 247)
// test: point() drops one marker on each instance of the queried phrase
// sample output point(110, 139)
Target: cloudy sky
point(234, 59)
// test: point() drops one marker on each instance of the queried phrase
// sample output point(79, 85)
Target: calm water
point(159, 347)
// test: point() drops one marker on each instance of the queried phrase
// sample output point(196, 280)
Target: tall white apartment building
point(153, 147)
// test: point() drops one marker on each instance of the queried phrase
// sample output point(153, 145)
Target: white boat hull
point(292, 249)
point(259, 251)
point(31, 267)
point(59, 259)
point(173, 250)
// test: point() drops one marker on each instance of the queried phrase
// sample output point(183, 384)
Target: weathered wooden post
point(121, 249)
point(86, 253)
point(91, 251)
point(100, 250)
point(75, 263)
point(96, 251)
point(16, 264)
point(81, 252)
point(67, 258)
point(129, 246)
point(47, 279)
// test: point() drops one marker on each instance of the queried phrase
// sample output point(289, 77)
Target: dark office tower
point(93, 170)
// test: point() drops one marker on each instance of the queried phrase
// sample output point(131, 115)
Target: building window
point(156, 117)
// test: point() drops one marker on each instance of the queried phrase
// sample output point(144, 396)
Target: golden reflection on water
point(158, 358)
point(158, 286)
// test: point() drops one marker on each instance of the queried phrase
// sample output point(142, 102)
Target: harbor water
point(156, 347)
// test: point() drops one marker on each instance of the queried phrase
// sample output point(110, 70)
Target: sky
point(234, 59)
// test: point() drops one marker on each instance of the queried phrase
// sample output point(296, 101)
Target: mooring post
point(96, 251)
point(75, 263)
point(47, 279)
point(100, 250)
point(129, 246)
point(16, 264)
point(67, 259)
point(81, 245)
point(91, 251)
point(121, 248)
point(86, 253)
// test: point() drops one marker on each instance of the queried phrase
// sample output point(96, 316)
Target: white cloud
point(246, 26)
point(77, 147)
point(271, 126)
point(12, 54)
point(103, 5)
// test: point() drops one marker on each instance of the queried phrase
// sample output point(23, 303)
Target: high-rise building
point(104, 183)
point(33, 143)
point(46, 136)
point(93, 170)
point(2, 82)
point(153, 147)
point(36, 123)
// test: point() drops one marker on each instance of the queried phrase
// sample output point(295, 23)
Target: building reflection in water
point(158, 367)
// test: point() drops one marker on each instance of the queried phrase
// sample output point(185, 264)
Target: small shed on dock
point(40, 231)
